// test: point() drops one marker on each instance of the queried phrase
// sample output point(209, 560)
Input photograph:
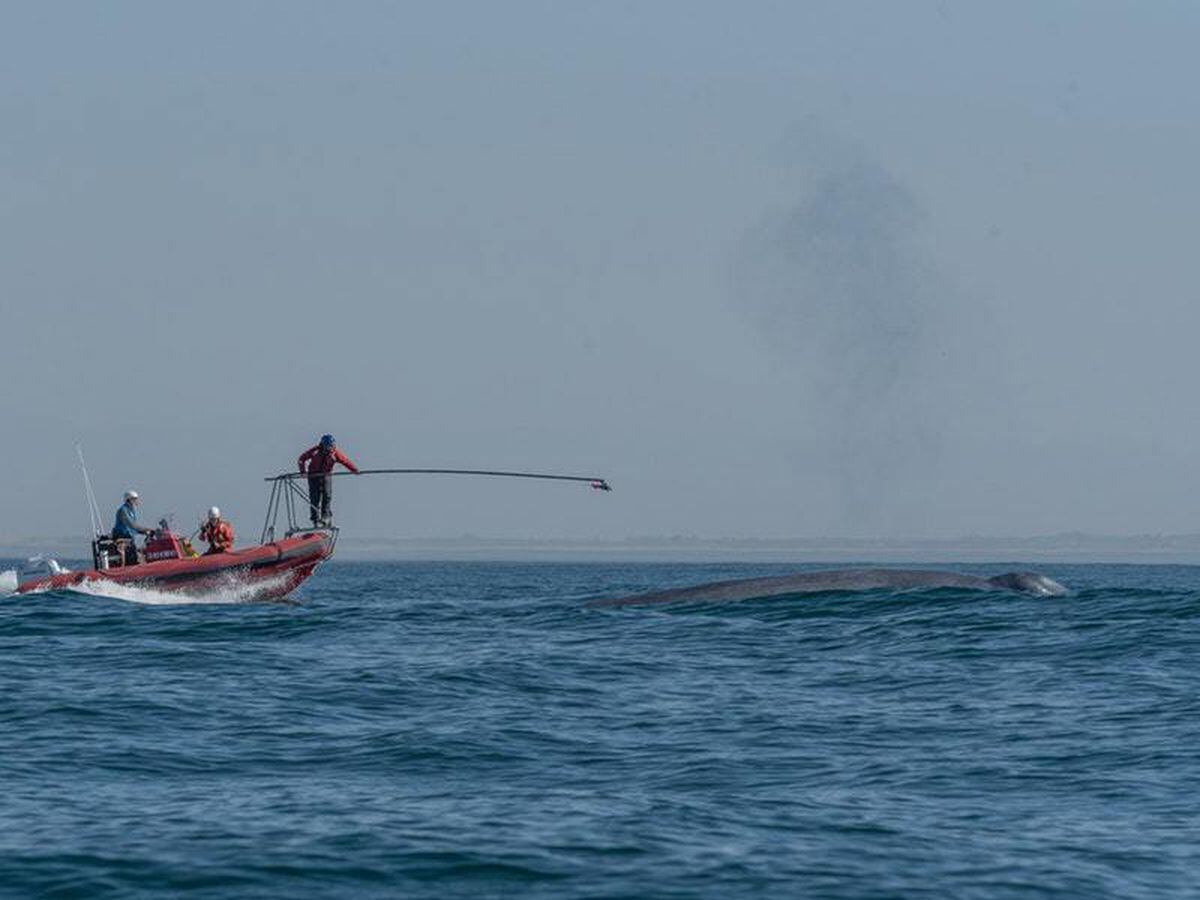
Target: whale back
point(1028, 583)
point(842, 580)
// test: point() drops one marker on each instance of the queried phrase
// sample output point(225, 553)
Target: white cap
point(131, 494)
point(214, 513)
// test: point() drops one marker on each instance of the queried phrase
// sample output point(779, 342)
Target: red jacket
point(318, 461)
point(219, 535)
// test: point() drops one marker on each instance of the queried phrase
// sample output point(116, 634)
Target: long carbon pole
point(599, 484)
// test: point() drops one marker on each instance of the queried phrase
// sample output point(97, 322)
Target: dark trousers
point(320, 496)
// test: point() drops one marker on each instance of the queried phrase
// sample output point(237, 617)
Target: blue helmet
point(327, 440)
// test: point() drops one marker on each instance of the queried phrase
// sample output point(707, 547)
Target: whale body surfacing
point(843, 580)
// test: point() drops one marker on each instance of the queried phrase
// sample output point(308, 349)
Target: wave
point(8, 582)
point(230, 591)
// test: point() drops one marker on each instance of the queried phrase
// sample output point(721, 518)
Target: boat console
point(109, 552)
point(163, 544)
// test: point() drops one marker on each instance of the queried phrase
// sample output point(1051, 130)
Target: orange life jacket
point(219, 535)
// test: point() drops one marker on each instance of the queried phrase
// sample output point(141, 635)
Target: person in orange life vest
point(217, 532)
point(317, 462)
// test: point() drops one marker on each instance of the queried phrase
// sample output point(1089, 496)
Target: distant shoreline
point(1179, 549)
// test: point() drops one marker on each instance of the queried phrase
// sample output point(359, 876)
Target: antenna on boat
point(93, 508)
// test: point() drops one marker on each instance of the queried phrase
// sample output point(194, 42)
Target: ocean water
point(468, 730)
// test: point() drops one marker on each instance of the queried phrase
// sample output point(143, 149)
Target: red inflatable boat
point(271, 570)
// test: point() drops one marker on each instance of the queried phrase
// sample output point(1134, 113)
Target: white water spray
point(228, 592)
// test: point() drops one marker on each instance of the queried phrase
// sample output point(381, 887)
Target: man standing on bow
point(317, 463)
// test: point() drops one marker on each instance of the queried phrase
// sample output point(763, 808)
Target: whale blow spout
point(844, 580)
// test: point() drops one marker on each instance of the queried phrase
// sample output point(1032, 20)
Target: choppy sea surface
point(450, 730)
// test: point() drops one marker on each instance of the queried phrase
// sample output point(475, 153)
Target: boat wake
point(229, 592)
point(8, 582)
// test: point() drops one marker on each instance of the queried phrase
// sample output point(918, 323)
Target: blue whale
point(844, 580)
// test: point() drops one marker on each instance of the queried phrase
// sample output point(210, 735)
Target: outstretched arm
point(345, 461)
point(132, 525)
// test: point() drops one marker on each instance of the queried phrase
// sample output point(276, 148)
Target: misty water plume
point(844, 293)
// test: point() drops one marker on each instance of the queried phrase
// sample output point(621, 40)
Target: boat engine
point(106, 552)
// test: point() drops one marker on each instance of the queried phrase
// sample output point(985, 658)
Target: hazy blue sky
point(774, 268)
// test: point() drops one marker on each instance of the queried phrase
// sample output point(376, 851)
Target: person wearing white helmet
point(217, 532)
point(126, 527)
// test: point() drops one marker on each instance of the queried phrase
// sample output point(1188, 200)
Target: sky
point(773, 268)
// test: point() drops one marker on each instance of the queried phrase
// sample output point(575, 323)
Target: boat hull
point(272, 570)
